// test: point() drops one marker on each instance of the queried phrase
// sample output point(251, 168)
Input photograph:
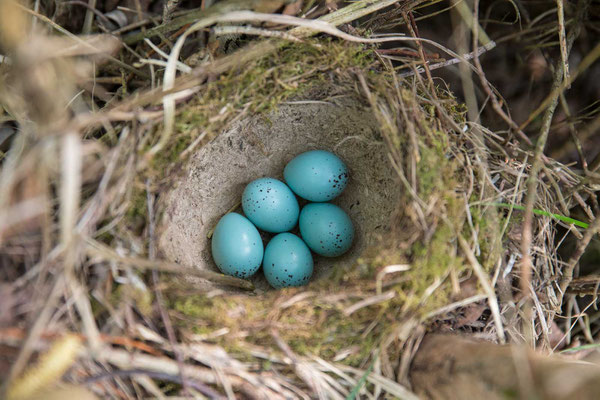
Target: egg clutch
point(271, 206)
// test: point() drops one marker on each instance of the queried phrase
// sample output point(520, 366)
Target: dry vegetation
point(495, 234)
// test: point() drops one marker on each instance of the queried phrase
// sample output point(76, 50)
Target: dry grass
point(77, 208)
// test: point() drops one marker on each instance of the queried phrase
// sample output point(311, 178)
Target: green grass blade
point(584, 347)
point(361, 382)
point(559, 217)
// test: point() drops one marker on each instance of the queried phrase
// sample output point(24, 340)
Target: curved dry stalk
point(487, 288)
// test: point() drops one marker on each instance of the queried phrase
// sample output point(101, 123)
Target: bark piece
point(454, 367)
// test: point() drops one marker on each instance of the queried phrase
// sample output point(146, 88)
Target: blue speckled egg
point(287, 261)
point(326, 229)
point(270, 205)
point(236, 246)
point(316, 175)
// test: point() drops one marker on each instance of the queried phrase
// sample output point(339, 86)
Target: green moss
point(488, 223)
point(257, 89)
point(142, 299)
point(321, 329)
point(139, 206)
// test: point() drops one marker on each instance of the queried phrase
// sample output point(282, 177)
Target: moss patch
point(258, 88)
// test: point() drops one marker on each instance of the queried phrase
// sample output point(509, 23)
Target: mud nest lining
point(260, 146)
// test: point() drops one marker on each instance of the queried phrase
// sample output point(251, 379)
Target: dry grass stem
point(483, 280)
point(100, 250)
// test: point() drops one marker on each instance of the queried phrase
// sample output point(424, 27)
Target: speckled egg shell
point(287, 261)
point(236, 246)
point(326, 229)
point(270, 205)
point(316, 175)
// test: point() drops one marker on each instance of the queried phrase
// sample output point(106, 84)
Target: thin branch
point(587, 61)
point(469, 56)
point(567, 277)
point(412, 26)
point(532, 181)
point(564, 54)
point(168, 10)
point(250, 30)
point(486, 85)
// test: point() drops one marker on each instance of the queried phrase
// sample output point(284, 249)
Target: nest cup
point(261, 146)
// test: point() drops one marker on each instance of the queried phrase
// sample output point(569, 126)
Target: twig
point(564, 53)
point(70, 195)
point(461, 35)
point(479, 51)
point(168, 10)
point(89, 17)
point(472, 21)
point(583, 134)
point(567, 277)
point(532, 180)
point(574, 136)
point(250, 30)
point(107, 253)
point(585, 285)
point(412, 26)
point(587, 61)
